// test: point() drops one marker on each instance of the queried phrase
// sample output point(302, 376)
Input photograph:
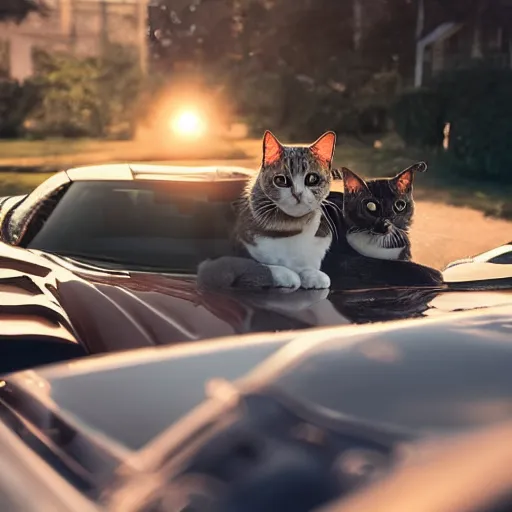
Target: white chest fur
point(368, 245)
point(299, 252)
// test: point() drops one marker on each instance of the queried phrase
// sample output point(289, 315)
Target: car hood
point(141, 309)
point(134, 396)
point(118, 310)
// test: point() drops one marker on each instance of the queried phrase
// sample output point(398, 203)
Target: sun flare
point(188, 124)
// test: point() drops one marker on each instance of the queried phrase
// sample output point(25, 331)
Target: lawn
point(54, 154)
point(437, 185)
point(14, 183)
point(13, 149)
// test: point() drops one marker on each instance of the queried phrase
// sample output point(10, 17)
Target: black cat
point(371, 246)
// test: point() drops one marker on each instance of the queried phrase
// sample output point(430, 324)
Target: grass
point(13, 183)
point(56, 154)
point(12, 149)
point(439, 184)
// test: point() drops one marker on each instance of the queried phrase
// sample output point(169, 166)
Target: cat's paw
point(312, 279)
point(284, 277)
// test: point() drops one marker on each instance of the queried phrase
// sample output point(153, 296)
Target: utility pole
point(142, 33)
point(420, 48)
point(103, 25)
point(357, 8)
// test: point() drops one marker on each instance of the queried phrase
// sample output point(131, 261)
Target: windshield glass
point(150, 224)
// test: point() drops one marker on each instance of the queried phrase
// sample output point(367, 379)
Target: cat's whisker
point(265, 218)
point(327, 202)
point(330, 222)
point(331, 225)
point(264, 209)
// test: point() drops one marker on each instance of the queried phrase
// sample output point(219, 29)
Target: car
point(102, 259)
point(289, 421)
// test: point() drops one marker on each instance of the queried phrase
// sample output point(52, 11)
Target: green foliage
point(418, 118)
point(16, 102)
point(299, 107)
point(93, 97)
point(478, 105)
point(18, 10)
point(291, 66)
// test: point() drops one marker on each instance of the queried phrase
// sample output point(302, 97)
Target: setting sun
point(189, 124)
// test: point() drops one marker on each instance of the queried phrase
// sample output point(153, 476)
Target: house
point(80, 27)
point(456, 42)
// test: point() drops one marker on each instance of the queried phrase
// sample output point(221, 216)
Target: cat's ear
point(323, 148)
point(352, 183)
point(272, 149)
point(403, 180)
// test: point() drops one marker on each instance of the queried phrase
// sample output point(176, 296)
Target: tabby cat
point(282, 234)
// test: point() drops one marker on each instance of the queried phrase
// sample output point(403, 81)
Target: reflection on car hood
point(117, 310)
point(134, 310)
point(132, 397)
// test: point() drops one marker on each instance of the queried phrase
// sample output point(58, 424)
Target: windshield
point(140, 225)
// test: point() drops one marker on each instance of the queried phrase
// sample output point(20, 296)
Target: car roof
point(138, 171)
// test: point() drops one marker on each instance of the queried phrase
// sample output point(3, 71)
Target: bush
point(16, 103)
point(418, 118)
point(91, 97)
point(260, 101)
point(477, 103)
point(300, 108)
point(478, 106)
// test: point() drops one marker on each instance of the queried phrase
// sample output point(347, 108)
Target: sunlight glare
point(188, 124)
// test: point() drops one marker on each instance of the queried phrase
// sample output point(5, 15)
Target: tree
point(18, 10)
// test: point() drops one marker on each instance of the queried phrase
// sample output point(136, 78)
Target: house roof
point(441, 32)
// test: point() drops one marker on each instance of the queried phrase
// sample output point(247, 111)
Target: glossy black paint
point(104, 310)
point(109, 410)
point(313, 423)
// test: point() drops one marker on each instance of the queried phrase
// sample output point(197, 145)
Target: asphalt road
point(442, 233)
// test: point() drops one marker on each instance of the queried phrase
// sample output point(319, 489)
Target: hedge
point(16, 103)
point(478, 105)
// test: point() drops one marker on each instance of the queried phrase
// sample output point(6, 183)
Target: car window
point(151, 224)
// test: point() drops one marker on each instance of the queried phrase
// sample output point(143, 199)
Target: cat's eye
point(312, 179)
point(282, 181)
point(371, 206)
point(400, 205)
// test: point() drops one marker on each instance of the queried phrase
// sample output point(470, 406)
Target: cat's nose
point(297, 195)
point(382, 227)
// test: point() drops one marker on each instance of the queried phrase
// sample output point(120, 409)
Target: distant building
point(79, 27)
point(447, 44)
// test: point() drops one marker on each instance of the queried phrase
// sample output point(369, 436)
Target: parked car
point(102, 259)
point(288, 421)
